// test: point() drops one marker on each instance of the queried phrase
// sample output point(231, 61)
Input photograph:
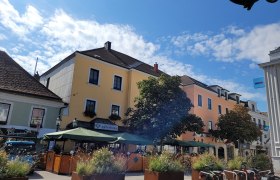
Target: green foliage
point(260, 161)
point(206, 162)
point(84, 168)
point(102, 162)
point(165, 163)
point(3, 163)
point(237, 126)
point(162, 109)
point(17, 168)
point(235, 164)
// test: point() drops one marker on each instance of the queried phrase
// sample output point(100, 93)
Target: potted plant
point(114, 117)
point(234, 164)
point(103, 165)
point(164, 167)
point(205, 162)
point(90, 114)
point(13, 169)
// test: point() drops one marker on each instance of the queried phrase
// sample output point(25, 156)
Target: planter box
point(151, 175)
point(50, 161)
point(75, 176)
point(135, 162)
point(195, 174)
point(15, 178)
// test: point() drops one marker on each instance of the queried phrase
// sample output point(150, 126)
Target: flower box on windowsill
point(89, 114)
point(114, 117)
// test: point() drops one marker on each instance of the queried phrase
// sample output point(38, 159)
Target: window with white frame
point(94, 76)
point(209, 103)
point(199, 100)
point(4, 112)
point(209, 125)
point(37, 117)
point(90, 106)
point(115, 110)
point(219, 109)
point(219, 92)
point(117, 82)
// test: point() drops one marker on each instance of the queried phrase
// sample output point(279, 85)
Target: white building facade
point(261, 120)
point(272, 82)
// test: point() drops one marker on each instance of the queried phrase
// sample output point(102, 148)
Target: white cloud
point(60, 35)
point(2, 37)
point(232, 44)
point(20, 25)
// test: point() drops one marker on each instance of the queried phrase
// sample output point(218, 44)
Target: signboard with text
point(102, 126)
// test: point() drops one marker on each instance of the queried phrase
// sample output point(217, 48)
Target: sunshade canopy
point(128, 138)
point(175, 142)
point(79, 134)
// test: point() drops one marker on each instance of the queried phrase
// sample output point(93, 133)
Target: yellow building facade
point(100, 80)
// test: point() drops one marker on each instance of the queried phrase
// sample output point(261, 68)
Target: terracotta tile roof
point(14, 79)
point(113, 57)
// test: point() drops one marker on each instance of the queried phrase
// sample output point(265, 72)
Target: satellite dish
point(271, 1)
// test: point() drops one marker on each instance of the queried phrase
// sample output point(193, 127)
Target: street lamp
point(75, 123)
point(58, 121)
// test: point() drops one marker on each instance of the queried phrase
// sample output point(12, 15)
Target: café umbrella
point(80, 134)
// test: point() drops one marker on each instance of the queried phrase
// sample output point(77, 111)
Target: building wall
point(203, 112)
point(103, 93)
point(272, 82)
point(60, 80)
point(21, 108)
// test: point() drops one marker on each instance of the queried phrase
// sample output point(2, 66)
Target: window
point(117, 82)
point(4, 112)
point(219, 92)
point(264, 124)
point(219, 109)
point(37, 117)
point(94, 76)
point(260, 123)
point(48, 82)
point(199, 100)
point(253, 107)
point(209, 125)
point(254, 120)
point(226, 96)
point(226, 110)
point(115, 110)
point(209, 104)
point(237, 99)
point(90, 106)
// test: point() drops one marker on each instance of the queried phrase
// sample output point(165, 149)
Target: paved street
point(51, 176)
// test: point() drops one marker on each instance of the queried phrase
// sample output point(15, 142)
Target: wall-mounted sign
point(102, 126)
point(259, 83)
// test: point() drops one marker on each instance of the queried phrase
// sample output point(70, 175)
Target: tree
point(236, 126)
point(161, 110)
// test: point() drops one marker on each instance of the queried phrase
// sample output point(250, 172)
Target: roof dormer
point(225, 93)
point(217, 89)
point(235, 97)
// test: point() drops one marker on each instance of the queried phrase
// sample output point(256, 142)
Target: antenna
point(35, 66)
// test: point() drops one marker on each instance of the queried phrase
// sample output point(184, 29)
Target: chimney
point(156, 67)
point(107, 45)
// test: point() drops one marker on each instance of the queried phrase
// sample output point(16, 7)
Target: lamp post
point(58, 121)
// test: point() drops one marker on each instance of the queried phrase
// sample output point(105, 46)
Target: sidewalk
point(39, 175)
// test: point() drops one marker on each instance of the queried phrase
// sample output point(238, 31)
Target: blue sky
point(216, 42)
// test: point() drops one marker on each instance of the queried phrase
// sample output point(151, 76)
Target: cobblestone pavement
point(38, 175)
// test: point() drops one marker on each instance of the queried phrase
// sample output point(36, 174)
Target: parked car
point(24, 150)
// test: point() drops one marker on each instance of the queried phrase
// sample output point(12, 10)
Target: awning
point(128, 138)
point(79, 134)
point(175, 142)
